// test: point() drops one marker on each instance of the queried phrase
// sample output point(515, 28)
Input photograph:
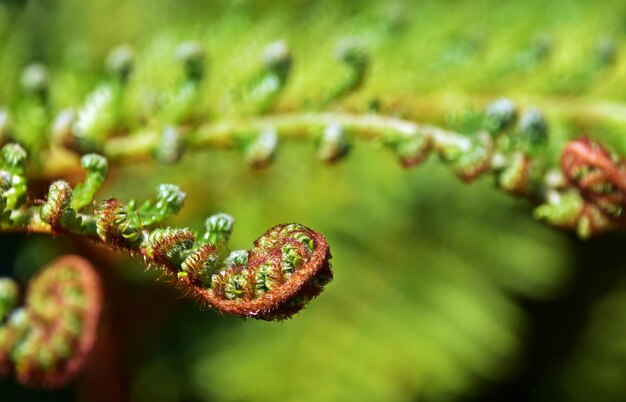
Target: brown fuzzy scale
point(55, 219)
point(157, 253)
point(107, 226)
point(195, 263)
point(29, 372)
point(288, 295)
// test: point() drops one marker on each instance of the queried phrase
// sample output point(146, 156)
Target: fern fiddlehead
point(287, 267)
point(509, 144)
point(167, 130)
point(46, 342)
point(593, 200)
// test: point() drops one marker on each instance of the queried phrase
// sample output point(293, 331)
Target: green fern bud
point(96, 169)
point(260, 151)
point(102, 113)
point(13, 158)
point(169, 199)
point(94, 163)
point(277, 57)
point(170, 146)
point(62, 130)
point(352, 53)
point(13, 171)
point(97, 116)
point(333, 144)
point(501, 114)
point(533, 127)
point(12, 180)
point(263, 90)
point(178, 105)
point(57, 211)
point(168, 203)
point(219, 227)
point(191, 55)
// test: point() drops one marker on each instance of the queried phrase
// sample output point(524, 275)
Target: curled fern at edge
point(46, 342)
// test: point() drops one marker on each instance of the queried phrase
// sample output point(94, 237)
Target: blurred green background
point(442, 291)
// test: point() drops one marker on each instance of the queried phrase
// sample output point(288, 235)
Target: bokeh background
point(442, 291)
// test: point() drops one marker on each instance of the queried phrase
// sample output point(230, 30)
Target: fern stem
point(298, 126)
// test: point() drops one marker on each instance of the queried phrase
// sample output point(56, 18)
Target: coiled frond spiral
point(46, 342)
